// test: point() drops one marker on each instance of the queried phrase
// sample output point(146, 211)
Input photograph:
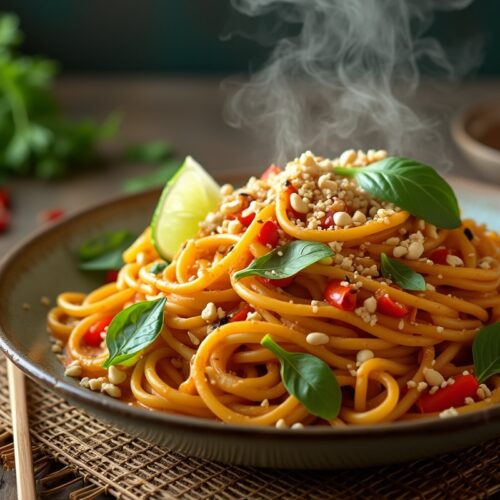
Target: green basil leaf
point(151, 152)
point(402, 275)
point(411, 185)
point(157, 178)
point(105, 252)
point(158, 267)
point(309, 379)
point(486, 352)
point(133, 329)
point(287, 260)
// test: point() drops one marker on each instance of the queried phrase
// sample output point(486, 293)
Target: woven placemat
point(121, 465)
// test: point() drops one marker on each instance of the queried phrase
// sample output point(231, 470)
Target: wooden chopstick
point(25, 478)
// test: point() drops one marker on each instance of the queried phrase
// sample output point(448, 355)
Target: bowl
point(476, 131)
point(45, 265)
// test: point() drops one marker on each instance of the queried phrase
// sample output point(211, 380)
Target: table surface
point(187, 112)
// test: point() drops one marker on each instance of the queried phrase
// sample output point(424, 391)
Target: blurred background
point(149, 76)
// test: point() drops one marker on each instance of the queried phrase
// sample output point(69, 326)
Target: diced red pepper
point(241, 315)
point(341, 297)
point(327, 220)
point(246, 220)
point(4, 197)
point(268, 234)
point(465, 386)
point(4, 219)
point(439, 256)
point(111, 275)
point(93, 337)
point(279, 282)
point(51, 215)
point(386, 305)
point(270, 171)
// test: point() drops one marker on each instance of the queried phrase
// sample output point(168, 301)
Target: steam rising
point(332, 84)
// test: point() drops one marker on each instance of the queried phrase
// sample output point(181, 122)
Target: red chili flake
point(51, 215)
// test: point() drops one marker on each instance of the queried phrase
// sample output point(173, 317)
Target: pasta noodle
point(208, 361)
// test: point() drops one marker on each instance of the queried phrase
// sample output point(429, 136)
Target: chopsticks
point(25, 478)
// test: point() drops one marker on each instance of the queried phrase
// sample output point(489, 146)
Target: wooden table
point(187, 113)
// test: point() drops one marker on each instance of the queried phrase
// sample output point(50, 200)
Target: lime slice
point(186, 200)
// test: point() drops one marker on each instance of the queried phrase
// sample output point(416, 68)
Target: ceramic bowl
point(469, 128)
point(44, 265)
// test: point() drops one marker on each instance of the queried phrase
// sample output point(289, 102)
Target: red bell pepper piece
point(111, 275)
point(465, 386)
point(341, 297)
point(439, 256)
point(246, 220)
point(270, 171)
point(268, 234)
point(241, 315)
point(93, 336)
point(386, 305)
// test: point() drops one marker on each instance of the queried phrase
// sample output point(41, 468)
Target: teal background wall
point(184, 36)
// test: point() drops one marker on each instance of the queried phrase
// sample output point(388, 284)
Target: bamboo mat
point(113, 462)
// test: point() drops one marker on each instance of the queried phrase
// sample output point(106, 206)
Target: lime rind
point(184, 203)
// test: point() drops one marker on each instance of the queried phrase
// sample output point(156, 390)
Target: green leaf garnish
point(158, 267)
point(105, 252)
point(402, 275)
point(157, 178)
point(411, 185)
point(309, 379)
point(151, 152)
point(134, 329)
point(287, 260)
point(486, 352)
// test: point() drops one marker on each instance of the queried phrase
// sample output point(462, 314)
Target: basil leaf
point(105, 252)
point(151, 152)
point(287, 260)
point(157, 178)
point(411, 185)
point(486, 352)
point(309, 379)
point(133, 329)
point(401, 275)
point(158, 267)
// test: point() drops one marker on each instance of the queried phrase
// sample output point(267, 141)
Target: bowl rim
point(464, 139)
point(171, 421)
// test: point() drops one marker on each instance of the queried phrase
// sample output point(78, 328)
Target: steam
point(332, 85)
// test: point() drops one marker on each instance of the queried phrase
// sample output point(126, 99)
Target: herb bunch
point(35, 139)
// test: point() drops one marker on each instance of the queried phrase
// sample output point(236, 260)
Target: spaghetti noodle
point(388, 352)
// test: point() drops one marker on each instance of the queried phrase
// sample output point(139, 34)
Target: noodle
point(206, 365)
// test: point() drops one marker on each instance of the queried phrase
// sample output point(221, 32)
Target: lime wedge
point(186, 200)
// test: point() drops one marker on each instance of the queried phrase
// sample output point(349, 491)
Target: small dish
point(44, 265)
point(476, 131)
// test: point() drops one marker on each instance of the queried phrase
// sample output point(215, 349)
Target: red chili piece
point(93, 336)
point(241, 315)
point(111, 275)
point(271, 170)
point(386, 305)
point(283, 282)
point(4, 219)
point(465, 386)
point(4, 198)
point(341, 297)
point(246, 220)
point(439, 256)
point(268, 234)
point(327, 220)
point(52, 214)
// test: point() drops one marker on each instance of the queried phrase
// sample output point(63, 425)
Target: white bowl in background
point(471, 124)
